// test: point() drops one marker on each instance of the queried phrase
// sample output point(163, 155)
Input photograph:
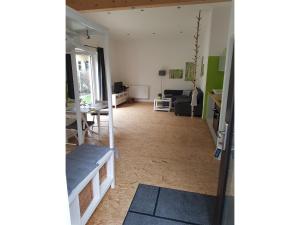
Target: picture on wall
point(190, 71)
point(176, 74)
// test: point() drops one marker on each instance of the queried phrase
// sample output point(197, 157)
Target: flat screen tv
point(118, 87)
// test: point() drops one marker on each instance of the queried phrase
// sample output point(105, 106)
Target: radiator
point(139, 91)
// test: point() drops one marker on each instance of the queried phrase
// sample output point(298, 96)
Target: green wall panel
point(214, 78)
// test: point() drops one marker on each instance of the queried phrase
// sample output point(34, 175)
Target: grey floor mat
point(185, 206)
point(144, 199)
point(140, 219)
point(163, 206)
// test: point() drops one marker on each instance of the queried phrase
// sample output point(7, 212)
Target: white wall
point(137, 61)
point(215, 35)
point(219, 29)
point(205, 44)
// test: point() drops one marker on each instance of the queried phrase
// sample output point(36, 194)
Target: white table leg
point(85, 125)
point(84, 118)
point(111, 169)
point(98, 123)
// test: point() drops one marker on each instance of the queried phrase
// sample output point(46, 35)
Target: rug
point(153, 205)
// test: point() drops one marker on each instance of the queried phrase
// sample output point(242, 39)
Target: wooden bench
point(90, 173)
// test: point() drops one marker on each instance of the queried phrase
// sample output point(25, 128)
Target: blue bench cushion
point(81, 162)
point(88, 153)
point(76, 171)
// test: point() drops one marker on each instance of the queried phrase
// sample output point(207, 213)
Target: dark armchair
point(182, 105)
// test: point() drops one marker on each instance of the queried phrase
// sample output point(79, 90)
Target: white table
point(158, 104)
point(89, 109)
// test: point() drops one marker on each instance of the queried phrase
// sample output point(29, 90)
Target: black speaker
point(162, 73)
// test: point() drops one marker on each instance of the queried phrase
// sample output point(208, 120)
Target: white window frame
point(94, 73)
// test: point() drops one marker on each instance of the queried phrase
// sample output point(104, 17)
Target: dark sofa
point(182, 106)
point(182, 103)
point(173, 94)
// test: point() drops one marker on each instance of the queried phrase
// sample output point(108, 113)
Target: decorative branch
point(196, 50)
point(197, 46)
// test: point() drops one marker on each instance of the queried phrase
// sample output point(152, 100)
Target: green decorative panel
point(190, 71)
point(214, 78)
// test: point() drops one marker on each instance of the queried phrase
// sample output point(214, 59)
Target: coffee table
point(162, 104)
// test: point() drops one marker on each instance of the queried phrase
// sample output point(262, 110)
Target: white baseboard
point(143, 100)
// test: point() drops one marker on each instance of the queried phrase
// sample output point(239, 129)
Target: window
point(85, 79)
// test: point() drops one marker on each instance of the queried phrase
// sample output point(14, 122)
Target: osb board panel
point(85, 197)
point(155, 148)
point(103, 173)
point(96, 5)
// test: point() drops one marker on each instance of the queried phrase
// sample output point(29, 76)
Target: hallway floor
point(156, 148)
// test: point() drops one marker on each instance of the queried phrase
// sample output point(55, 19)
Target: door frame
point(225, 132)
point(228, 63)
point(226, 153)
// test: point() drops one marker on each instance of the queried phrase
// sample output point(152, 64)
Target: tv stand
point(119, 98)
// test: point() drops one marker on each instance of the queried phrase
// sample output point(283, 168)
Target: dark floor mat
point(163, 206)
point(185, 206)
point(141, 219)
point(144, 199)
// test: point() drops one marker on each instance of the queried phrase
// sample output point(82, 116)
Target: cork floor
point(155, 148)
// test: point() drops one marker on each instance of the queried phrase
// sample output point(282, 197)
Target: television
point(118, 87)
point(162, 73)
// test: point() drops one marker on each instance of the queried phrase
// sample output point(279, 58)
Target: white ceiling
point(160, 22)
point(74, 28)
